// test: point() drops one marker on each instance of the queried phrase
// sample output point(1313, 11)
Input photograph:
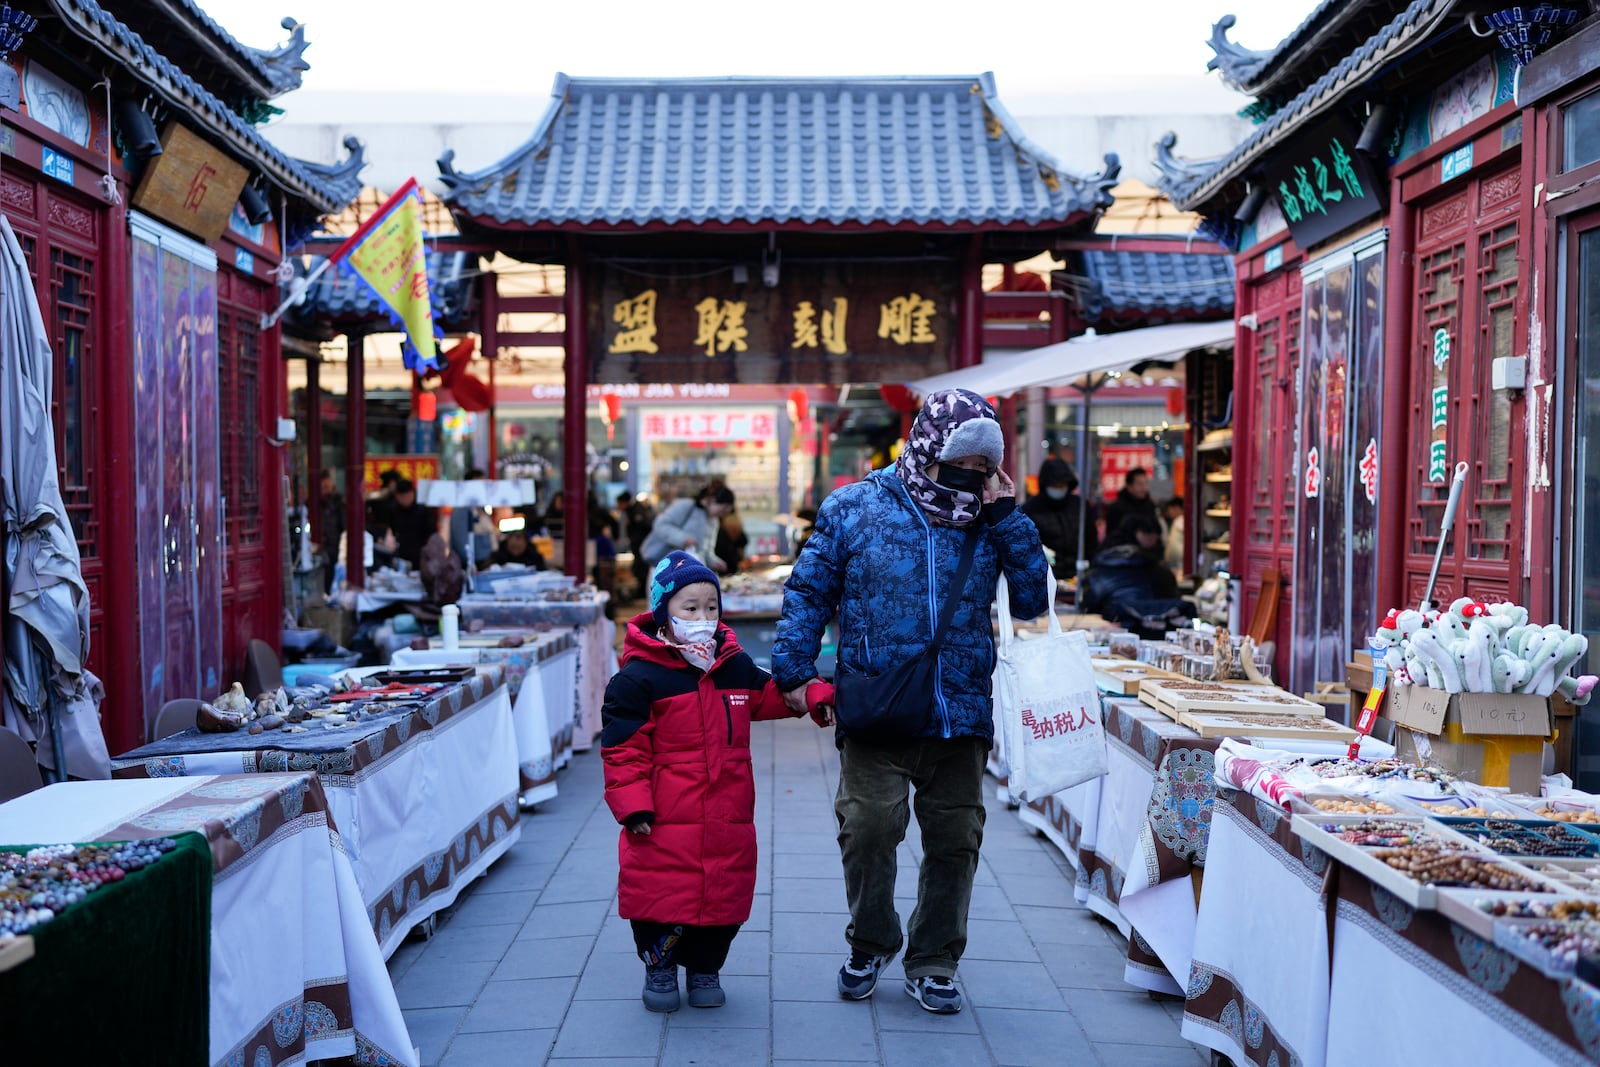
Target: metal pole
point(355, 496)
point(313, 399)
point(575, 421)
point(1084, 390)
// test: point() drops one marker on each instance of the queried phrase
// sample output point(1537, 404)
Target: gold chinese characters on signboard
point(190, 185)
point(720, 326)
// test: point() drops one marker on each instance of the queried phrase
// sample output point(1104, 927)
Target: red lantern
point(610, 411)
point(799, 405)
point(427, 407)
point(1174, 401)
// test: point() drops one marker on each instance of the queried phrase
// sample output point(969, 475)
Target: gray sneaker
point(935, 993)
point(859, 976)
point(705, 990)
point(661, 987)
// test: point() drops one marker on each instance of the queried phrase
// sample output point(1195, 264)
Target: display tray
point(1464, 807)
point(1509, 935)
point(1123, 676)
point(15, 952)
point(1176, 696)
point(1460, 906)
point(1282, 728)
point(1360, 858)
point(1523, 839)
point(1306, 804)
point(423, 675)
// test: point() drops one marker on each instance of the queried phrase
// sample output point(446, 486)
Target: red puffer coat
point(676, 744)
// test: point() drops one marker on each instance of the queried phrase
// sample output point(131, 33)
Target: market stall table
point(596, 636)
point(541, 674)
point(424, 795)
point(295, 974)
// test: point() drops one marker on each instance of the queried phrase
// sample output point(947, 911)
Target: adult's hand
point(691, 542)
point(719, 565)
point(795, 699)
point(998, 487)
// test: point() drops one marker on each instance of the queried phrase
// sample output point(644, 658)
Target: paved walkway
point(533, 966)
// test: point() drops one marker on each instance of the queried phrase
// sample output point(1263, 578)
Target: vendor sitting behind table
point(1128, 580)
point(515, 547)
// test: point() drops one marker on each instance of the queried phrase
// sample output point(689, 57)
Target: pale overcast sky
point(514, 48)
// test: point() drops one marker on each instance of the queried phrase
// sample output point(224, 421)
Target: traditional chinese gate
point(1469, 309)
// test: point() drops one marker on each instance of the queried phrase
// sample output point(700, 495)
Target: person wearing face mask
point(676, 749)
point(887, 556)
point(1055, 509)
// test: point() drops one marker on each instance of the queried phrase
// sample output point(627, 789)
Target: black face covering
point(962, 480)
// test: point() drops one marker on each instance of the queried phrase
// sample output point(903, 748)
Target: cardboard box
point(338, 623)
point(1490, 738)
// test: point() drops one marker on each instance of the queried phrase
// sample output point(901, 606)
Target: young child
point(676, 745)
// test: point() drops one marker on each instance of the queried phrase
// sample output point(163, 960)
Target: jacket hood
point(643, 641)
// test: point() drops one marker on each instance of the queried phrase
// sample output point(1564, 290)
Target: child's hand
point(820, 699)
point(640, 823)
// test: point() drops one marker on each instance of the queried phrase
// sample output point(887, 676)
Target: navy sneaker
point(859, 977)
point(705, 990)
point(661, 987)
point(935, 993)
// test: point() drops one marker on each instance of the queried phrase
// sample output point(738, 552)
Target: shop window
point(1580, 124)
point(238, 372)
point(72, 294)
point(1440, 274)
point(1284, 415)
point(1264, 503)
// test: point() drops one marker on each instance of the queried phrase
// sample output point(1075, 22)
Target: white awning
point(1068, 361)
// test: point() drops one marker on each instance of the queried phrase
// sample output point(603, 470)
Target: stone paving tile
point(1062, 926)
point(795, 931)
point(443, 985)
point(596, 1028)
point(611, 976)
point(751, 954)
point(1112, 1054)
point(760, 913)
point(1124, 1016)
point(1034, 1038)
point(906, 1049)
point(556, 957)
point(810, 894)
point(988, 939)
point(693, 1046)
point(1084, 966)
point(431, 1030)
point(533, 1003)
point(836, 1031)
point(504, 1048)
point(1039, 891)
point(564, 920)
point(894, 1009)
point(995, 984)
point(749, 1007)
point(492, 909)
point(806, 975)
point(470, 944)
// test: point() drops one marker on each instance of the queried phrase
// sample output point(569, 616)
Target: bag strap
point(1008, 628)
point(958, 585)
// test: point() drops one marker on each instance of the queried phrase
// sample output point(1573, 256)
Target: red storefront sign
point(1115, 463)
point(412, 468)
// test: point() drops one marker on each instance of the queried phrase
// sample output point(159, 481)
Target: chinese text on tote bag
point(1049, 707)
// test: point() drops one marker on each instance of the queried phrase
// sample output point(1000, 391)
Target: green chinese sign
point(1324, 185)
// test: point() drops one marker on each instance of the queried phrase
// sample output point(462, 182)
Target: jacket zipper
point(727, 707)
point(933, 621)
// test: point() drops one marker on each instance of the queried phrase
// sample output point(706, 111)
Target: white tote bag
point(1048, 707)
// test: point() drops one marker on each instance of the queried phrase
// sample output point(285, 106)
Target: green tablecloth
point(122, 977)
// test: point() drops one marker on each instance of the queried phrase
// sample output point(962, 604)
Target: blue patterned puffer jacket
point(870, 560)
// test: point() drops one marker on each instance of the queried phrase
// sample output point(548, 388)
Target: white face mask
point(1057, 492)
point(695, 631)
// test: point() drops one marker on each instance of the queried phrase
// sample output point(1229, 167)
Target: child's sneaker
point(859, 977)
point(935, 993)
point(705, 990)
point(661, 986)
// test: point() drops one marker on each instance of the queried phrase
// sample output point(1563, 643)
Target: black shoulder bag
point(895, 706)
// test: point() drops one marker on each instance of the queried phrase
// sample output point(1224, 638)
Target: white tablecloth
point(541, 710)
point(287, 921)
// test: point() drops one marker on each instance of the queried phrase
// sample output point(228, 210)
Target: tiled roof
point(1154, 285)
point(197, 104)
point(274, 71)
point(1252, 71)
point(340, 297)
point(921, 150)
point(1190, 186)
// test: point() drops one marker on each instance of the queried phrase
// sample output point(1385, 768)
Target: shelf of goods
point(1215, 502)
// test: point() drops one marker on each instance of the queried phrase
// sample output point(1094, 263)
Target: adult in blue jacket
point(882, 557)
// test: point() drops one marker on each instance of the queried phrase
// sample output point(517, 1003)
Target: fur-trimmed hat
point(676, 570)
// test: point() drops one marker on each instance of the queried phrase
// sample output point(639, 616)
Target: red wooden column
point(355, 496)
point(489, 327)
point(313, 399)
point(969, 343)
point(122, 718)
point(1393, 459)
point(575, 420)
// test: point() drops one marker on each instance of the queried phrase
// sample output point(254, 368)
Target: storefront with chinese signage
point(1382, 276)
point(151, 278)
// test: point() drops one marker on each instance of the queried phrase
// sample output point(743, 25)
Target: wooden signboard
point(191, 184)
point(1173, 698)
point(1277, 727)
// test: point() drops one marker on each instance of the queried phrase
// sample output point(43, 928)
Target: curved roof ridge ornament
point(1176, 171)
point(1238, 65)
point(285, 64)
point(343, 177)
point(1106, 179)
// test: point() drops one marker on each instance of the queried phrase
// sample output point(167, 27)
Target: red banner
point(1117, 460)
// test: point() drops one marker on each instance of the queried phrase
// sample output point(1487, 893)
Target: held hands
point(815, 698)
point(640, 823)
